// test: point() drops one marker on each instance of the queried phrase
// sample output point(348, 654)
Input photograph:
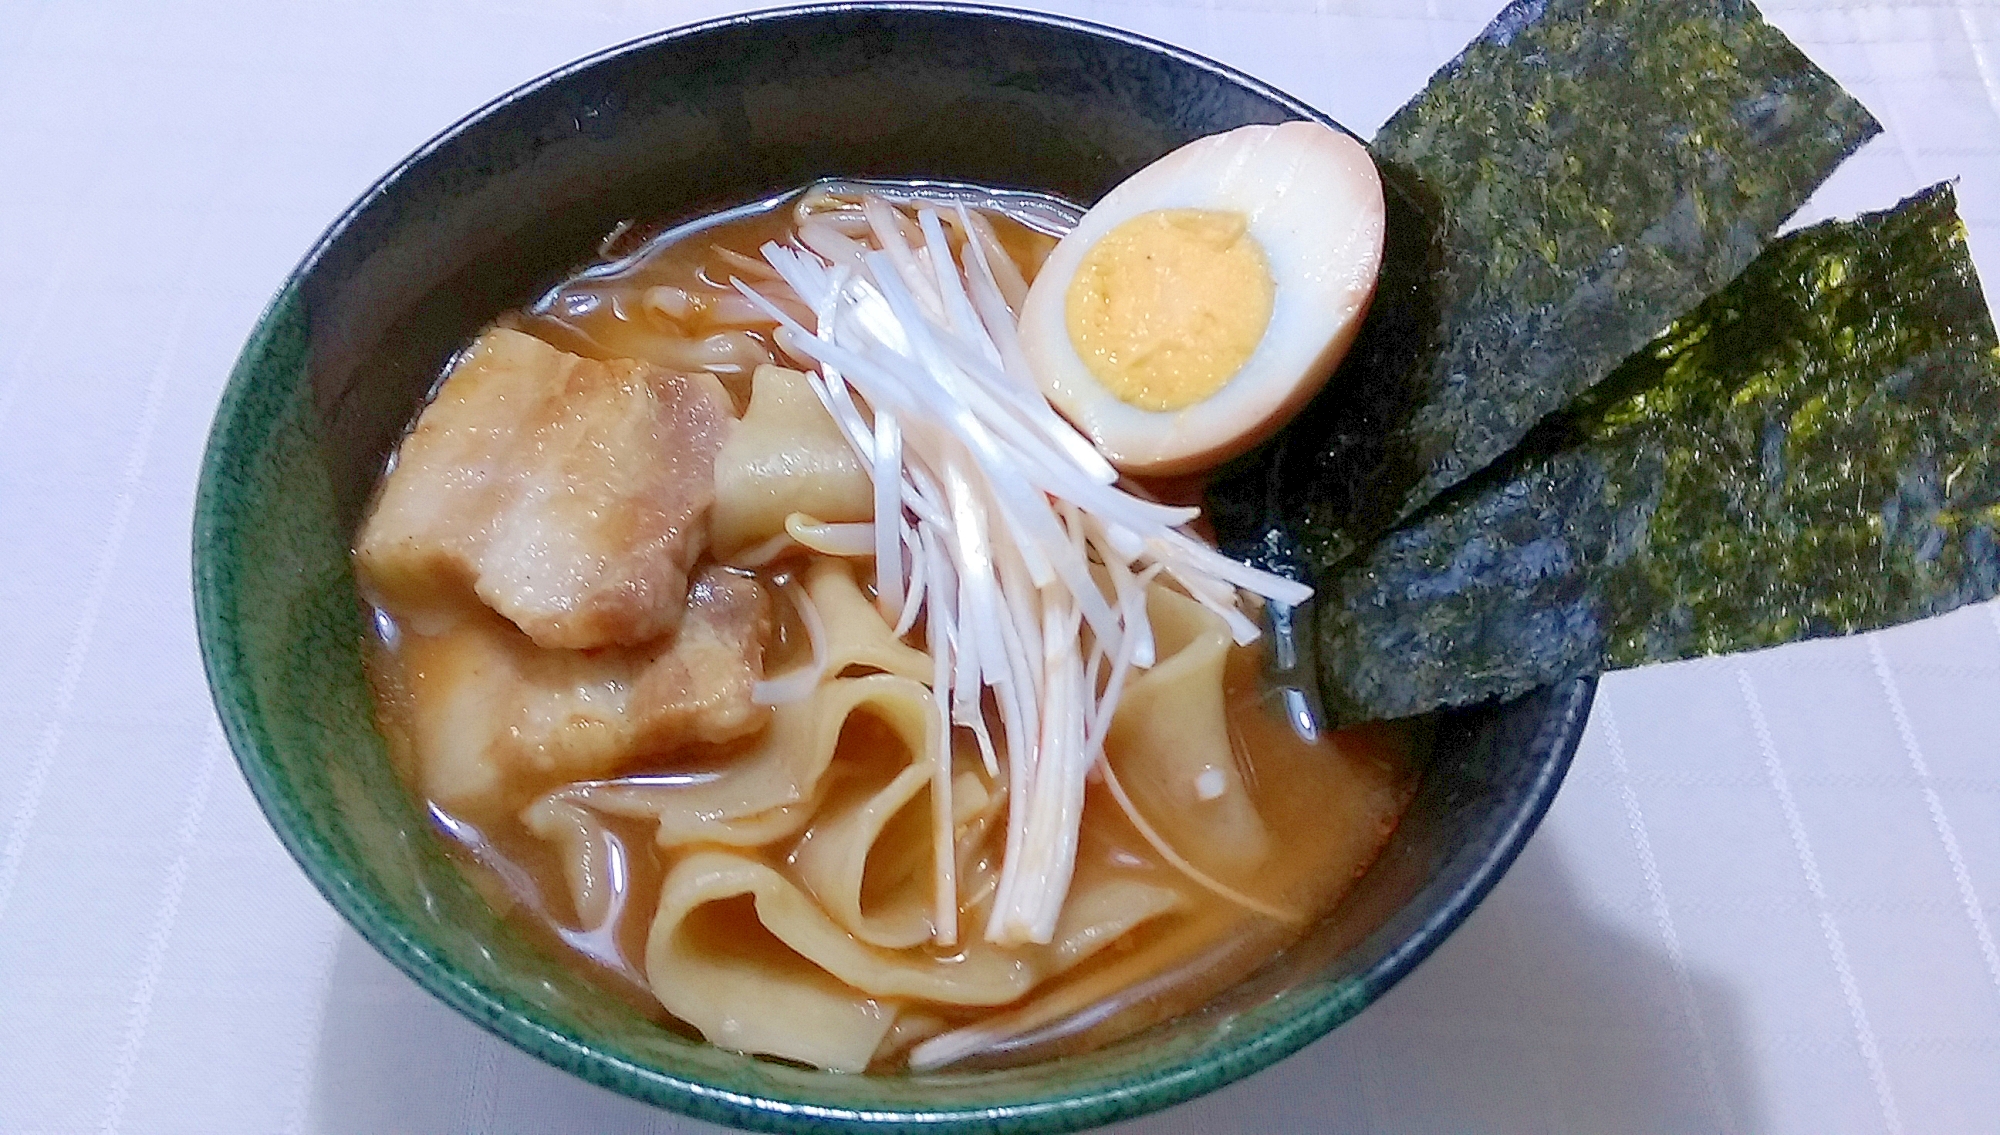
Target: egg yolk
point(1168, 306)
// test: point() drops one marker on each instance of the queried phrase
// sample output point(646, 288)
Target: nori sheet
point(1815, 450)
point(1581, 174)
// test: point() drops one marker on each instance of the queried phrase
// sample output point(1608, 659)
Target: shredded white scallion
point(999, 528)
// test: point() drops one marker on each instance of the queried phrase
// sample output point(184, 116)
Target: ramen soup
point(768, 633)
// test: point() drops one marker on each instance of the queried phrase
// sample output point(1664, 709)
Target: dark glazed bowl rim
point(1060, 1110)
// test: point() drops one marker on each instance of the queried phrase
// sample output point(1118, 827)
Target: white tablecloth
point(1765, 900)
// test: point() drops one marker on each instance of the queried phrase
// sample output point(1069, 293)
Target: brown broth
point(604, 312)
point(1330, 805)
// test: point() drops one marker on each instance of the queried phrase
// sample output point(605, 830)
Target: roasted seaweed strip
point(1813, 451)
point(1586, 171)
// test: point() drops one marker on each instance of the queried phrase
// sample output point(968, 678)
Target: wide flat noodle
point(856, 635)
point(782, 978)
point(785, 456)
point(873, 880)
point(755, 1000)
point(766, 789)
point(1106, 903)
point(1170, 746)
point(591, 856)
point(789, 981)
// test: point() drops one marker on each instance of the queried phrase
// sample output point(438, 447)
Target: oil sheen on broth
point(497, 700)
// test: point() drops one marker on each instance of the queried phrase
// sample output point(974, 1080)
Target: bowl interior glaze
point(514, 198)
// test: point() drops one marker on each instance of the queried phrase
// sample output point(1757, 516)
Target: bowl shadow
point(1539, 1014)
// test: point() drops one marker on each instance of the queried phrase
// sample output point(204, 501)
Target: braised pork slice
point(419, 549)
point(569, 495)
point(490, 712)
point(700, 690)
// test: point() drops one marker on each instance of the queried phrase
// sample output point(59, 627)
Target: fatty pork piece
point(569, 495)
point(487, 710)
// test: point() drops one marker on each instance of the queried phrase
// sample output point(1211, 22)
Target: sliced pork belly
point(700, 689)
point(569, 495)
point(418, 550)
point(491, 713)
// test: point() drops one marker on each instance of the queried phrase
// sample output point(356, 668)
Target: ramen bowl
point(515, 197)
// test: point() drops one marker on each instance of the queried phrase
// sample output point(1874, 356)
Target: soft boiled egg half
point(1201, 302)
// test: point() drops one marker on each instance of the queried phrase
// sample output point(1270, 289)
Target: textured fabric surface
point(1764, 902)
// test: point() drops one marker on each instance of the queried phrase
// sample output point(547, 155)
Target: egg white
point(1314, 204)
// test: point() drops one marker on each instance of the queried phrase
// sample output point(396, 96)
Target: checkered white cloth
point(1764, 902)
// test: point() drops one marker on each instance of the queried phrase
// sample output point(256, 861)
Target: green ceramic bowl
point(513, 198)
